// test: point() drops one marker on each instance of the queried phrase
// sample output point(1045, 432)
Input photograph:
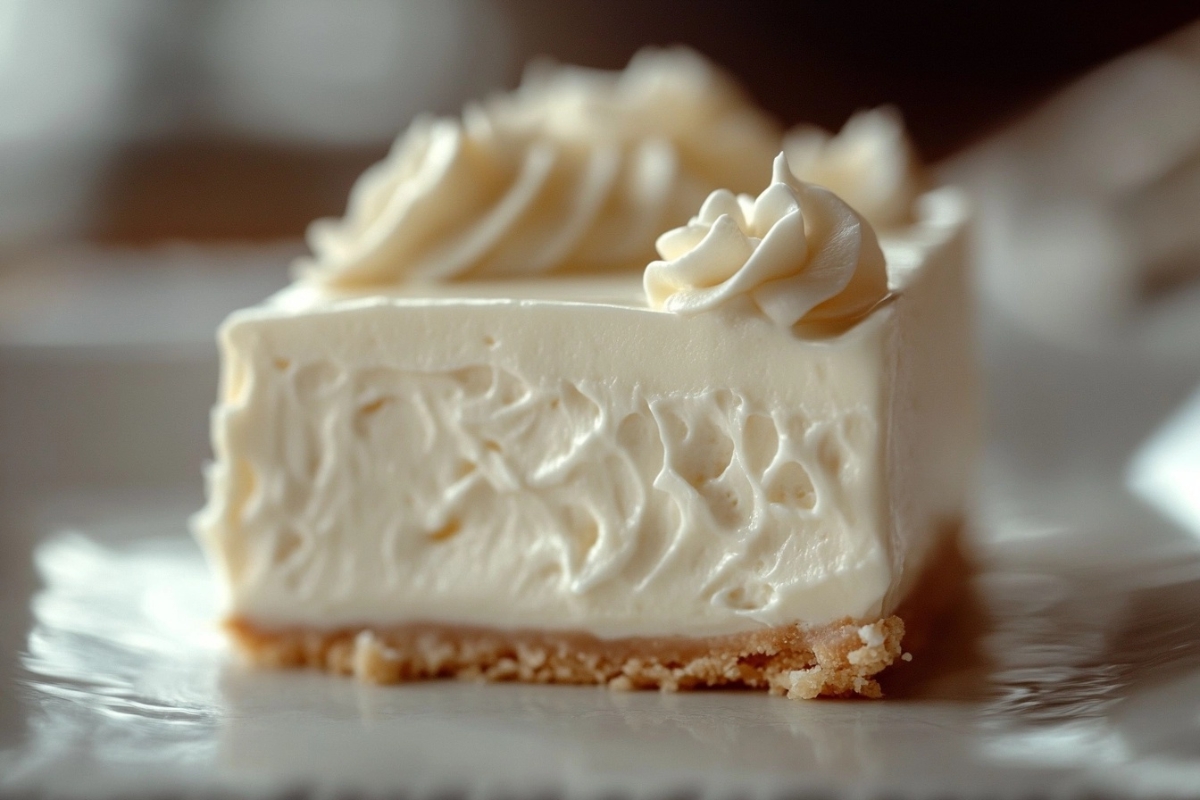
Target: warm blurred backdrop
point(135, 121)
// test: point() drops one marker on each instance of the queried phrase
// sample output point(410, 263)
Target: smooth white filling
point(557, 455)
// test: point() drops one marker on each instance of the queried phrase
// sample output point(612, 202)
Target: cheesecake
point(567, 397)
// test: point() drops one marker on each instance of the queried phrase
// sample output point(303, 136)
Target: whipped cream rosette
point(577, 171)
point(870, 164)
point(797, 251)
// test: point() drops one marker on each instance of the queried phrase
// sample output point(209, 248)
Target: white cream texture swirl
point(797, 251)
point(870, 164)
point(576, 171)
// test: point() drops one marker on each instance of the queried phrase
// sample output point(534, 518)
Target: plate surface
point(1076, 667)
point(1086, 676)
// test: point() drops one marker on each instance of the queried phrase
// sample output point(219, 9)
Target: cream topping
point(870, 164)
point(796, 251)
point(576, 171)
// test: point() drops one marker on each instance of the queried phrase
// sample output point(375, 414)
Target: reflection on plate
point(1165, 471)
point(1060, 675)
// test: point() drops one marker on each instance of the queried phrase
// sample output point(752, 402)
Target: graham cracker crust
point(841, 659)
point(836, 660)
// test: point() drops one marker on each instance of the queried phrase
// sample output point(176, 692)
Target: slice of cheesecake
point(481, 436)
point(552, 480)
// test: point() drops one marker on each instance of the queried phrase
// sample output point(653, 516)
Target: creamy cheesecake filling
point(516, 483)
point(558, 455)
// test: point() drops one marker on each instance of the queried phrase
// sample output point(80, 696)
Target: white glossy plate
point(1076, 669)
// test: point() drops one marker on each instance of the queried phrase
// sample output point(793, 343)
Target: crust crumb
point(836, 660)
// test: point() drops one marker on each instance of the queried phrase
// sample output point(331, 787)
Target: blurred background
point(160, 159)
point(138, 121)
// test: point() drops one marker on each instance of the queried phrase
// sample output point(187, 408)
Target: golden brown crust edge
point(836, 660)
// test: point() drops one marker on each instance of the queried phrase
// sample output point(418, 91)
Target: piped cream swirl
point(576, 171)
point(870, 164)
point(797, 251)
